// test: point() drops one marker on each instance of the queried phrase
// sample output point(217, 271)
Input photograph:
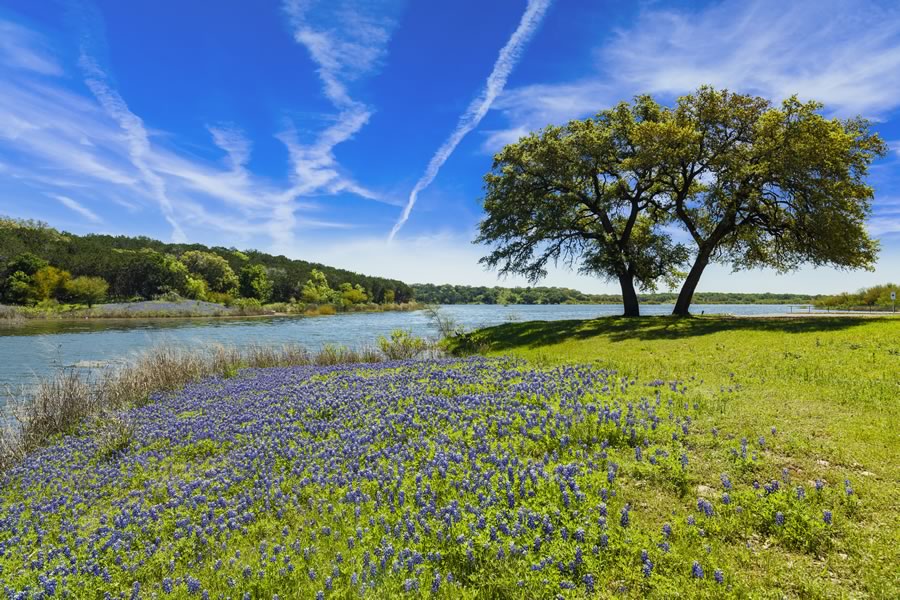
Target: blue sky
point(305, 128)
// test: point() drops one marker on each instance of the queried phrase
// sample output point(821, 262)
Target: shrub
point(402, 345)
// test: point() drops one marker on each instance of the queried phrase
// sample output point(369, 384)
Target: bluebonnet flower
point(718, 575)
point(436, 583)
point(826, 517)
point(779, 518)
point(624, 520)
point(193, 585)
point(696, 570)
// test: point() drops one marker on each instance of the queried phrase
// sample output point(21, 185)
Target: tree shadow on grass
point(533, 334)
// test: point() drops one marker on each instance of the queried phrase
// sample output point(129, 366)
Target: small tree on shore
point(87, 290)
point(50, 283)
point(316, 289)
point(255, 283)
point(214, 269)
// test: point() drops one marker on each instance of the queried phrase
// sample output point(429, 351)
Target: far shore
point(186, 309)
point(154, 310)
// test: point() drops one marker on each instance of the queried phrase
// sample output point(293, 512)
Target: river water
point(38, 348)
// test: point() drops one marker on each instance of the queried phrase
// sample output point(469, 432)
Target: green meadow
point(829, 386)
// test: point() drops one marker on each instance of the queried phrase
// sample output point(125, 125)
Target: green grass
point(831, 387)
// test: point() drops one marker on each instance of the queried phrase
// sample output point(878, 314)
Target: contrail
point(496, 81)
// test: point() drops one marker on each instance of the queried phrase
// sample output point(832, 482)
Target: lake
point(37, 348)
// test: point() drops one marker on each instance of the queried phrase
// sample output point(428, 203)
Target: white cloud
point(507, 59)
point(79, 208)
point(346, 41)
point(236, 146)
point(59, 139)
point(22, 49)
point(843, 53)
point(136, 135)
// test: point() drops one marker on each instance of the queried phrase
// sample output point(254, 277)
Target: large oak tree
point(581, 194)
point(757, 185)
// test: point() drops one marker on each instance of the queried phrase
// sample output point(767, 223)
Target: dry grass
point(10, 315)
point(59, 404)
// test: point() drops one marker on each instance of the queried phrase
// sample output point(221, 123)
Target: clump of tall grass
point(59, 404)
point(10, 315)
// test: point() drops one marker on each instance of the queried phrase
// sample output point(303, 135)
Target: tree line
point(874, 298)
point(644, 194)
point(39, 263)
point(464, 294)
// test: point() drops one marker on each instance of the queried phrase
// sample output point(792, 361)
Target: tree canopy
point(757, 185)
point(141, 267)
point(582, 193)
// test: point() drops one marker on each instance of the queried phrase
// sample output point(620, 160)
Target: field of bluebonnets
point(454, 478)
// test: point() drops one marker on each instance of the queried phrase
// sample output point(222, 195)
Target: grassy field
point(830, 387)
point(660, 458)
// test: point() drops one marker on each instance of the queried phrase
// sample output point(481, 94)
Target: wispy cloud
point(230, 139)
point(22, 49)
point(843, 53)
point(55, 137)
point(136, 134)
point(79, 208)
point(346, 41)
point(496, 81)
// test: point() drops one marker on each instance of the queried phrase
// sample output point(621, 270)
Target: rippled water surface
point(39, 347)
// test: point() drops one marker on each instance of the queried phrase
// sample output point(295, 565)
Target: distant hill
point(464, 294)
point(115, 258)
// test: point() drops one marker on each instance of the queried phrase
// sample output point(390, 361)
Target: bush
point(220, 298)
point(403, 345)
point(195, 288)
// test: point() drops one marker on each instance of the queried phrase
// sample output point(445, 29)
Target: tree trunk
point(683, 304)
point(629, 296)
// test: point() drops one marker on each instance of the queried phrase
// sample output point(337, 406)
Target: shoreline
point(17, 316)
